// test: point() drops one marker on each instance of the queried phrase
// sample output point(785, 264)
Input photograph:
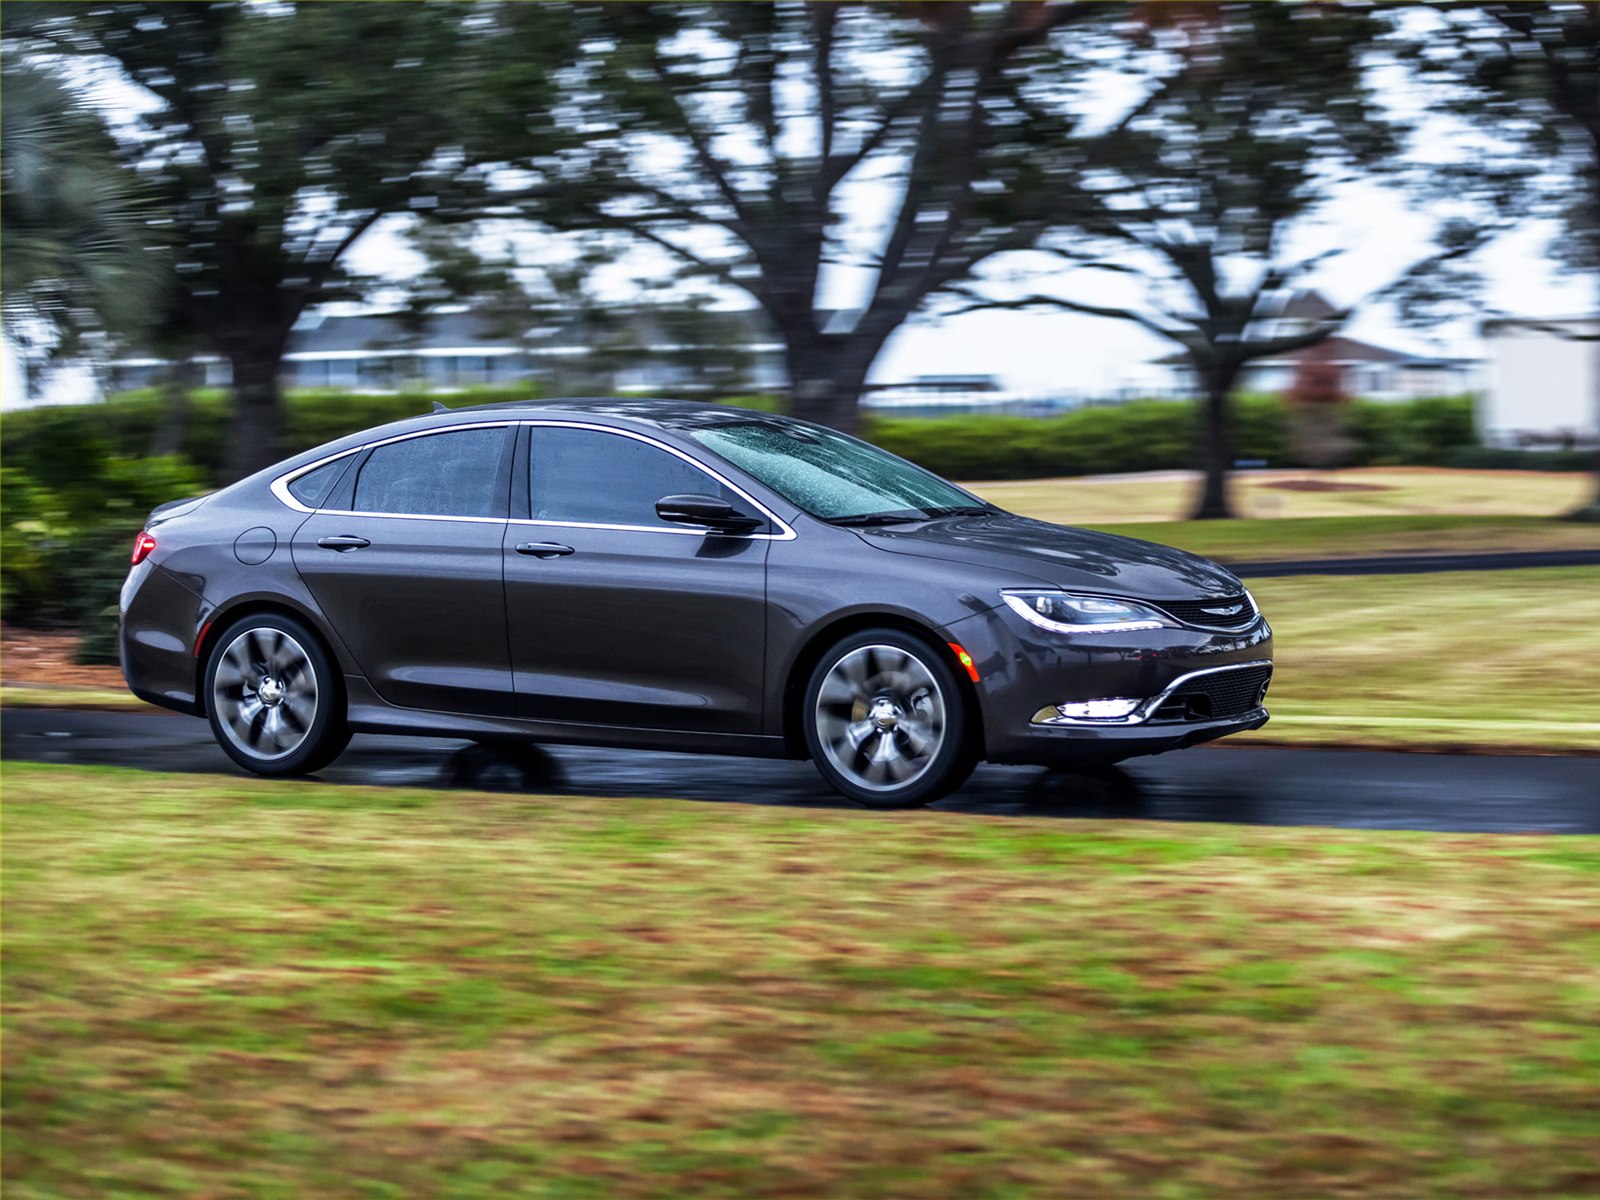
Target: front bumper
point(1023, 669)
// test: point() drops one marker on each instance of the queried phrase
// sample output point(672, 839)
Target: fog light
point(1109, 709)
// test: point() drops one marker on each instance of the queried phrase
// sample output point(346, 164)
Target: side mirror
point(711, 512)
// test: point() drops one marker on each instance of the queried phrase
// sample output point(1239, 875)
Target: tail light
point(142, 546)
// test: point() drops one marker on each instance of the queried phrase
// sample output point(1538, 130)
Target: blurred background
point(1274, 282)
point(1309, 288)
point(1270, 281)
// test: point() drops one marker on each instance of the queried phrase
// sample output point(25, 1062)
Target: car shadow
point(507, 767)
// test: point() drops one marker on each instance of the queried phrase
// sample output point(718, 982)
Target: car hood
point(1061, 555)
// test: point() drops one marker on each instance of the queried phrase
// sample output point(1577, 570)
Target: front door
point(617, 617)
point(410, 575)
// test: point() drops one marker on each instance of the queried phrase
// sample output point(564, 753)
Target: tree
point(77, 259)
point(1200, 200)
point(1528, 75)
point(281, 133)
point(730, 136)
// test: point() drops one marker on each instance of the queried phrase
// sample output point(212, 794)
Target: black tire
point(900, 705)
point(295, 730)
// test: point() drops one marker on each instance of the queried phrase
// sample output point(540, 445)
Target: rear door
point(617, 617)
point(410, 574)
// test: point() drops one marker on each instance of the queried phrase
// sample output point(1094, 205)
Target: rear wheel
point(886, 720)
point(273, 697)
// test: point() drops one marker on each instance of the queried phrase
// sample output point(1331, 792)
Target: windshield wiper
point(959, 510)
point(882, 518)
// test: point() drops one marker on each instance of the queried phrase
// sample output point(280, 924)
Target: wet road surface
point(1350, 788)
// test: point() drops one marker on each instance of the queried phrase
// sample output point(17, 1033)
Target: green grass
point(238, 988)
point(1507, 659)
point(1301, 538)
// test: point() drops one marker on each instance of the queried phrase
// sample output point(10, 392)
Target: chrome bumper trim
point(1140, 714)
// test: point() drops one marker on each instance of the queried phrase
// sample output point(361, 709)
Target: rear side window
point(588, 477)
point(441, 475)
point(314, 487)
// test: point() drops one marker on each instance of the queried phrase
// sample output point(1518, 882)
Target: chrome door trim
point(280, 485)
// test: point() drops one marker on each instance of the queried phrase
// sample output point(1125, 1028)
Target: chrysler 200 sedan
point(677, 576)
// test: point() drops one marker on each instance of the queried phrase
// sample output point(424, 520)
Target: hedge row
point(1153, 435)
point(54, 446)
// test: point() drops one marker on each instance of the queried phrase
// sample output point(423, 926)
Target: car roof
point(672, 415)
point(662, 414)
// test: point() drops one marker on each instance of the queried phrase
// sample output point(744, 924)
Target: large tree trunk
point(255, 439)
point(826, 378)
point(1591, 510)
point(182, 376)
point(1213, 502)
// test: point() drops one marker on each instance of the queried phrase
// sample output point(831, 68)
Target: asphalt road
point(1350, 788)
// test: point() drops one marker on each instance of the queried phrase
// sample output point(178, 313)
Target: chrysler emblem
point(1225, 611)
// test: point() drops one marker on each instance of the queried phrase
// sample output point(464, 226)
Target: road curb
point(1418, 564)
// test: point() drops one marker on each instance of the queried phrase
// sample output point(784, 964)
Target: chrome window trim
point(1139, 715)
point(787, 535)
point(280, 485)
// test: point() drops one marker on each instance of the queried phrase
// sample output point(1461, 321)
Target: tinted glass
point(312, 488)
point(828, 474)
point(606, 479)
point(443, 474)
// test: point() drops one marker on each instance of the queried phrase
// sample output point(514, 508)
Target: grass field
point(1367, 491)
point(1457, 659)
point(232, 988)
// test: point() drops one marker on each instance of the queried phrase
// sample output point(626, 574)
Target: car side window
point(455, 474)
point(587, 476)
point(314, 487)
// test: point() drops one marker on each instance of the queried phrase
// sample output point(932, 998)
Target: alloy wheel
point(881, 717)
point(265, 693)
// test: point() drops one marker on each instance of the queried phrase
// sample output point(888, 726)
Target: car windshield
point(834, 477)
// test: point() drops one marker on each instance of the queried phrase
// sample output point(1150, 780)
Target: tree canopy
point(1199, 199)
point(279, 134)
point(77, 257)
point(744, 140)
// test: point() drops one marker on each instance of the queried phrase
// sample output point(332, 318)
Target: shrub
point(57, 444)
point(1145, 435)
point(32, 522)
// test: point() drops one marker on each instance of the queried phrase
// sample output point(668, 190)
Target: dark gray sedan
point(675, 576)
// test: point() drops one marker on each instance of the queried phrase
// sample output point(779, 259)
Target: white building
point(1543, 384)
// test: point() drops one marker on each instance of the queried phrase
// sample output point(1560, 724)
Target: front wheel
point(273, 697)
point(886, 721)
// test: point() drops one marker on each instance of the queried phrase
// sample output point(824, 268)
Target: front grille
point(1226, 693)
point(1198, 612)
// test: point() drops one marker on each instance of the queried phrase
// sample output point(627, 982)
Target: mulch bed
point(36, 656)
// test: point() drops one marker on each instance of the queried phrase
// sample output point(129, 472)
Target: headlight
point(1068, 612)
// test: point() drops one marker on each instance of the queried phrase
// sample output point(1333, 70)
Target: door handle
point(343, 541)
point(544, 549)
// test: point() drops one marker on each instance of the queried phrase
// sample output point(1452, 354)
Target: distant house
point(1368, 370)
point(940, 395)
point(634, 350)
point(1543, 385)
